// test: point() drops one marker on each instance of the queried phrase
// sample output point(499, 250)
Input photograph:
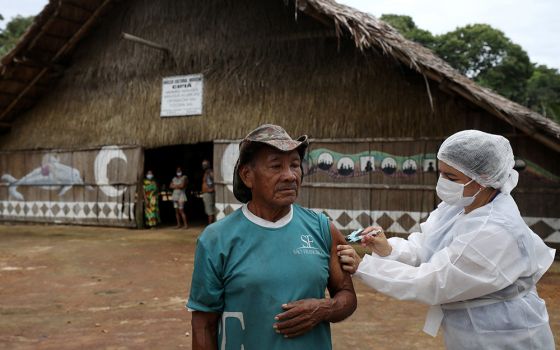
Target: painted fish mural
point(51, 175)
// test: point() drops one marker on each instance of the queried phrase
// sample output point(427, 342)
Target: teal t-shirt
point(246, 271)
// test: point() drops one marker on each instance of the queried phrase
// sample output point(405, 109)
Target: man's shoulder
point(223, 225)
point(306, 212)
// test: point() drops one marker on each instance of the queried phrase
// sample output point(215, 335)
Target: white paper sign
point(181, 95)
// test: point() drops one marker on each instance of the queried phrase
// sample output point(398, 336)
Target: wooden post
point(145, 42)
point(139, 209)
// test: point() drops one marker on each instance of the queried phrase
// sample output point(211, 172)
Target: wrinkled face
point(450, 173)
point(274, 177)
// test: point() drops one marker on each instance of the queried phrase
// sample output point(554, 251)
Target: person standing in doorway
point(208, 192)
point(179, 197)
point(151, 205)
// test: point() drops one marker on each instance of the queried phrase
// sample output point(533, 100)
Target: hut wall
point(387, 182)
point(92, 187)
point(262, 64)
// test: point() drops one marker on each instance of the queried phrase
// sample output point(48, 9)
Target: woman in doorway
point(151, 206)
point(178, 184)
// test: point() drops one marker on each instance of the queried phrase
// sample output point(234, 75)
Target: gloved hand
point(377, 242)
point(372, 237)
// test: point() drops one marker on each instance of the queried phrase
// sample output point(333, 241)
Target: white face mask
point(452, 193)
point(179, 173)
point(149, 176)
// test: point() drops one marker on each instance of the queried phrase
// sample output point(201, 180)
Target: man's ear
point(247, 175)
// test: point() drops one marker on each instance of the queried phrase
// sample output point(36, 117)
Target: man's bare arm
point(205, 330)
point(301, 316)
point(341, 288)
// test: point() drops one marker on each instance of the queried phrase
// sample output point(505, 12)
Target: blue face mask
point(452, 192)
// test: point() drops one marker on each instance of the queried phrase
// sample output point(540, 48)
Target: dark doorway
point(163, 162)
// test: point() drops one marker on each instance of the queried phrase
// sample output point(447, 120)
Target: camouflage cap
point(266, 134)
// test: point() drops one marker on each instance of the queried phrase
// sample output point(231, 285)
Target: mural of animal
point(51, 175)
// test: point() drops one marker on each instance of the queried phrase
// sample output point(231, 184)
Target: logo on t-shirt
point(307, 246)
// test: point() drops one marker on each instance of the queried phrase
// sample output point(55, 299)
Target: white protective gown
point(478, 270)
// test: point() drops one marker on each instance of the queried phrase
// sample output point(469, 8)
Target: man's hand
point(301, 316)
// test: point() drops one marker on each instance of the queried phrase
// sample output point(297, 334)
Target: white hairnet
point(486, 158)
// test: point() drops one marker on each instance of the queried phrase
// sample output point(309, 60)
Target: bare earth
point(69, 287)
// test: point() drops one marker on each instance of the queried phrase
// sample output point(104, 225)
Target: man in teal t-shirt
point(260, 274)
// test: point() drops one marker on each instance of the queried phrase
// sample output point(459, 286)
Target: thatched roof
point(370, 33)
point(41, 55)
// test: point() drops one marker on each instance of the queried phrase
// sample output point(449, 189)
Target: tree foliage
point(543, 92)
point(406, 26)
point(487, 56)
point(13, 31)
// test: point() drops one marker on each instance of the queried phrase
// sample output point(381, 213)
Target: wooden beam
point(23, 83)
point(69, 44)
point(15, 80)
point(36, 62)
point(56, 36)
point(43, 29)
point(5, 128)
point(60, 17)
point(12, 95)
point(142, 41)
point(31, 32)
point(76, 6)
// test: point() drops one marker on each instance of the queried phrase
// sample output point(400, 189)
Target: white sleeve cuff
point(395, 252)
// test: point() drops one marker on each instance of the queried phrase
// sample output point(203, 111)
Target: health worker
point(475, 260)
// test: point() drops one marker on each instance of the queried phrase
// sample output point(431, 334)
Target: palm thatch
point(370, 33)
point(118, 85)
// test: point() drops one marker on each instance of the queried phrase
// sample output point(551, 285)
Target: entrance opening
point(163, 162)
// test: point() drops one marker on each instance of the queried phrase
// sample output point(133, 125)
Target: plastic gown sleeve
point(405, 250)
point(473, 265)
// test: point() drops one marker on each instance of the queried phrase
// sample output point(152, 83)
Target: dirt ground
point(70, 287)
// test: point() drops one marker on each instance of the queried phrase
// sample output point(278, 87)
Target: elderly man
point(260, 274)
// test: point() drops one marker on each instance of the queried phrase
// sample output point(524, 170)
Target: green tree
point(543, 92)
point(487, 56)
point(406, 26)
point(13, 31)
point(480, 52)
